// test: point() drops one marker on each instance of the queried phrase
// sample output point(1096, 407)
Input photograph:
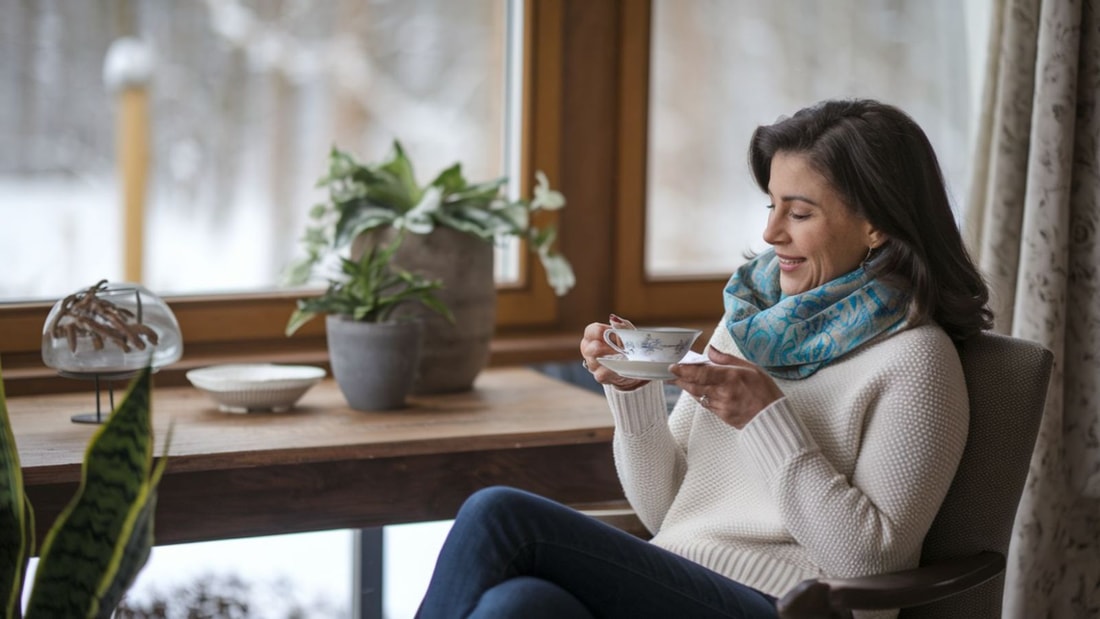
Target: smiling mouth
point(790, 264)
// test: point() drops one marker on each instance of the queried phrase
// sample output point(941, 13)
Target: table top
point(508, 408)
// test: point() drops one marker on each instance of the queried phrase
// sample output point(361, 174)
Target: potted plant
point(374, 343)
point(99, 543)
point(453, 224)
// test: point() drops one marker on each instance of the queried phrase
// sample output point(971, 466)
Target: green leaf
point(365, 197)
point(84, 550)
point(542, 239)
point(558, 271)
point(140, 544)
point(544, 196)
point(457, 222)
point(16, 517)
point(481, 194)
point(435, 304)
point(340, 167)
point(400, 170)
point(369, 289)
point(297, 319)
point(134, 557)
point(389, 192)
point(450, 180)
point(352, 223)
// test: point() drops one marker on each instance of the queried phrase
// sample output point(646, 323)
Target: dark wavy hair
point(884, 168)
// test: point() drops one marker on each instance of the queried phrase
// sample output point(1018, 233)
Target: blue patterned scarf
point(795, 336)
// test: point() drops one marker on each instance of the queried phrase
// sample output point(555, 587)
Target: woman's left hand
point(733, 389)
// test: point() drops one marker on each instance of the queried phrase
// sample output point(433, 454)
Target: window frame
point(642, 296)
point(585, 106)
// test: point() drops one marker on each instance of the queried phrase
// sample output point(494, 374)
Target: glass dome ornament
point(108, 332)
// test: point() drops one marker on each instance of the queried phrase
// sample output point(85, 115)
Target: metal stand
point(98, 416)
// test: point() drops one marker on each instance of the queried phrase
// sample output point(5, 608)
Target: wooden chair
point(963, 557)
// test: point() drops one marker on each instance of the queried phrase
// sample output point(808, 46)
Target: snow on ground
point(311, 571)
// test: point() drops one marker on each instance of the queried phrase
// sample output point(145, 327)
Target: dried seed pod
point(70, 333)
point(148, 333)
point(99, 320)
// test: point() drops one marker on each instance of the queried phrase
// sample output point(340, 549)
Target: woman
point(821, 437)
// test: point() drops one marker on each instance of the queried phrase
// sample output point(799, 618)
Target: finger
point(619, 322)
point(592, 350)
point(606, 376)
point(592, 343)
point(594, 331)
point(720, 358)
point(692, 373)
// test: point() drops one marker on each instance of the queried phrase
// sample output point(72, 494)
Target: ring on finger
point(704, 401)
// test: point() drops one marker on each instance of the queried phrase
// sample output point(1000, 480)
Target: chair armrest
point(833, 598)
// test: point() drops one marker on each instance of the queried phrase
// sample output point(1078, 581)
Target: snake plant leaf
point(84, 550)
point(16, 518)
point(140, 544)
point(133, 559)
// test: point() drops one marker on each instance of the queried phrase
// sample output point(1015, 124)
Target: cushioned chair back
point(1007, 383)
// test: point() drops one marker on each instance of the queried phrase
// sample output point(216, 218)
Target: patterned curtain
point(1033, 220)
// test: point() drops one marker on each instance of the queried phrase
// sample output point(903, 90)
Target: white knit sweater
point(841, 477)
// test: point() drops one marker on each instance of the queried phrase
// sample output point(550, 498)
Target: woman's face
point(816, 237)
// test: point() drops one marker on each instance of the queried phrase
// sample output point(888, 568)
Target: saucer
point(646, 370)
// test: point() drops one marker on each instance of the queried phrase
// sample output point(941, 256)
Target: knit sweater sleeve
point(649, 458)
point(912, 439)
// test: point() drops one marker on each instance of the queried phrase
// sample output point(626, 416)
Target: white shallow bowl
point(247, 387)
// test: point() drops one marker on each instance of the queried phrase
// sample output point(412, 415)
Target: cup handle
point(607, 338)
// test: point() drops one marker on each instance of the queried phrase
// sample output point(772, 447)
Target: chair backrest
point(1007, 382)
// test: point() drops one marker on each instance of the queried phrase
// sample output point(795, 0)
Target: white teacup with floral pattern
point(660, 344)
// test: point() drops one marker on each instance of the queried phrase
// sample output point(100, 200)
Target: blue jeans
point(515, 554)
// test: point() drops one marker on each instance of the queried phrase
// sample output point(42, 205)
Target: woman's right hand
point(593, 346)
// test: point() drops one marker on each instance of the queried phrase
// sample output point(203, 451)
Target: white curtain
point(1033, 220)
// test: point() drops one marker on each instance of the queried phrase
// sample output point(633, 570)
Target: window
point(719, 68)
point(250, 96)
point(243, 101)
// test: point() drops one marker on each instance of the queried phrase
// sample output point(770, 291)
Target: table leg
point(367, 574)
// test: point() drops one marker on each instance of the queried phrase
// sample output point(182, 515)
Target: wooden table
point(325, 466)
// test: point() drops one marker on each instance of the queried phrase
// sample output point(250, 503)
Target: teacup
point(659, 344)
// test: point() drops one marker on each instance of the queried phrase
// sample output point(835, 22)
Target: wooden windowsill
point(25, 374)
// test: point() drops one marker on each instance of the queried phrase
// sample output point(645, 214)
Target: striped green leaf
point(137, 549)
point(16, 519)
point(84, 551)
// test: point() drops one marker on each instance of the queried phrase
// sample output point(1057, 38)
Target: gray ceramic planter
point(454, 353)
point(375, 364)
